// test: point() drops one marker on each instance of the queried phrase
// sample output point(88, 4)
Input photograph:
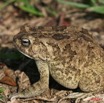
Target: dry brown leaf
point(7, 76)
point(8, 80)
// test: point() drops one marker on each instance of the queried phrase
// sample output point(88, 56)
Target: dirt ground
point(11, 19)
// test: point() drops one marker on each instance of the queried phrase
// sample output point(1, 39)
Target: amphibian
point(69, 54)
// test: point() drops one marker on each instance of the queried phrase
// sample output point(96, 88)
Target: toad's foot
point(31, 92)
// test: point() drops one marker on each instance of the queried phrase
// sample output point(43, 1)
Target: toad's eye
point(25, 42)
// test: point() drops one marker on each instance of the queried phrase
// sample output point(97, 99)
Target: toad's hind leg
point(91, 81)
point(67, 77)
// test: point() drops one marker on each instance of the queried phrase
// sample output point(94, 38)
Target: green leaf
point(94, 2)
point(97, 9)
point(101, 1)
point(24, 1)
point(78, 5)
point(1, 89)
point(8, 2)
point(31, 10)
point(27, 7)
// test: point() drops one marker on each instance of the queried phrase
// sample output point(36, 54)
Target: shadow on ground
point(17, 61)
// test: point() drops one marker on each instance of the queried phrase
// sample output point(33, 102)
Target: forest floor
point(11, 61)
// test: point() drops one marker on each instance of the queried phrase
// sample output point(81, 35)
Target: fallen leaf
point(8, 80)
point(7, 76)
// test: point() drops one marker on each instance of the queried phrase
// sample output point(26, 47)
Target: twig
point(41, 98)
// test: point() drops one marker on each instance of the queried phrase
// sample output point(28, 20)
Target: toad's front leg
point(40, 86)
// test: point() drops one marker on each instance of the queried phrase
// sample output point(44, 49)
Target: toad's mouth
point(25, 54)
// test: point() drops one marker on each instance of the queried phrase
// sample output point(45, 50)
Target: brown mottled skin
point(69, 54)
